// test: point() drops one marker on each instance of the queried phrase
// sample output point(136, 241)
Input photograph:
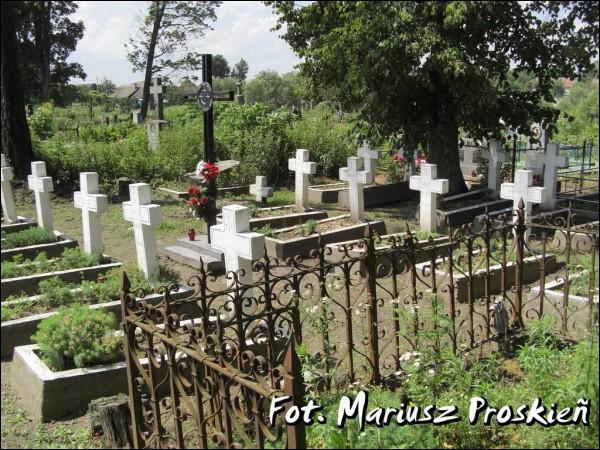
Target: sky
point(242, 30)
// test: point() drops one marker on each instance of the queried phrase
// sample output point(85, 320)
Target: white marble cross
point(495, 156)
point(356, 178)
point(144, 217)
point(522, 189)
point(92, 204)
point(370, 157)
point(534, 161)
point(303, 168)
point(429, 186)
point(240, 246)
point(552, 162)
point(8, 202)
point(260, 189)
point(41, 185)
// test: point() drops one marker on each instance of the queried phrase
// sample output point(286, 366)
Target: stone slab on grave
point(326, 193)
point(278, 220)
point(197, 254)
point(380, 194)
point(467, 214)
point(283, 248)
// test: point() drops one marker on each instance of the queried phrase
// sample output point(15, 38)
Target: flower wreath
point(201, 200)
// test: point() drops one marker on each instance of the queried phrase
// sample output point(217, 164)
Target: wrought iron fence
point(205, 367)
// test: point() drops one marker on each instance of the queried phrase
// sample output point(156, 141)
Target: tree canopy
point(430, 69)
point(46, 36)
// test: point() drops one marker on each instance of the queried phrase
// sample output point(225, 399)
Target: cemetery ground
point(543, 366)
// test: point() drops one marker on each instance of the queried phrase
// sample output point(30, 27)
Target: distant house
point(129, 91)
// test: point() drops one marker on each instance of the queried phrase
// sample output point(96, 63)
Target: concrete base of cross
point(197, 254)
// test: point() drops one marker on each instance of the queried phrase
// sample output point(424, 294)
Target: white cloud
point(242, 30)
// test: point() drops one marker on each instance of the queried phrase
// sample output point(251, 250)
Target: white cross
point(303, 168)
point(370, 157)
point(240, 246)
point(522, 189)
point(552, 162)
point(429, 187)
point(145, 217)
point(534, 161)
point(92, 204)
point(260, 189)
point(356, 179)
point(495, 156)
point(8, 202)
point(157, 89)
point(41, 185)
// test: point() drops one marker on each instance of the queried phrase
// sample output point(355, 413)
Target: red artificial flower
point(203, 200)
point(193, 201)
point(396, 157)
point(473, 173)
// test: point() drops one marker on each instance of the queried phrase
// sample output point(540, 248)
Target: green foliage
point(26, 237)
point(252, 134)
point(308, 227)
point(41, 121)
point(72, 258)
point(429, 69)
point(267, 230)
point(273, 89)
point(559, 375)
point(581, 110)
point(326, 136)
point(77, 336)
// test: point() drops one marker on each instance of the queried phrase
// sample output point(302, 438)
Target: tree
point(240, 70)
point(274, 90)
point(106, 86)
point(431, 69)
point(16, 140)
point(46, 37)
point(165, 31)
point(220, 67)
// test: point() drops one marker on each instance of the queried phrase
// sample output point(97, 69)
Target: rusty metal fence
point(203, 369)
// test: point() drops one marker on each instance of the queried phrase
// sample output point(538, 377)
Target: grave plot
point(303, 239)
point(457, 210)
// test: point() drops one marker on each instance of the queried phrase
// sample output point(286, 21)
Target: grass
point(55, 293)
point(72, 258)
point(24, 238)
point(542, 367)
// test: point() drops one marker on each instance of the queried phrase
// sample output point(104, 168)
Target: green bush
point(327, 137)
point(77, 336)
point(24, 238)
point(41, 121)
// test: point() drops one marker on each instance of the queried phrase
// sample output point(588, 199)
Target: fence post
point(371, 263)
point(293, 386)
point(520, 229)
point(135, 406)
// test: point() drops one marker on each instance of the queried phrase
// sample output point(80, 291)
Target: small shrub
point(41, 121)
point(29, 236)
point(73, 258)
point(77, 336)
point(308, 227)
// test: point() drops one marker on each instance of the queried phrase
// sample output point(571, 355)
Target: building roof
point(127, 91)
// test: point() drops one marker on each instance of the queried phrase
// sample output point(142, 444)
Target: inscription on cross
point(369, 155)
point(240, 246)
point(429, 187)
point(92, 204)
point(144, 217)
point(41, 185)
point(522, 189)
point(260, 190)
point(303, 168)
point(356, 178)
point(8, 202)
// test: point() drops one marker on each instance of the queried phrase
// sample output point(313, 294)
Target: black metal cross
point(205, 96)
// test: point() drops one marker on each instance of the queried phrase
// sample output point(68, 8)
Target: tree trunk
point(44, 46)
point(150, 59)
point(16, 141)
point(116, 423)
point(443, 151)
